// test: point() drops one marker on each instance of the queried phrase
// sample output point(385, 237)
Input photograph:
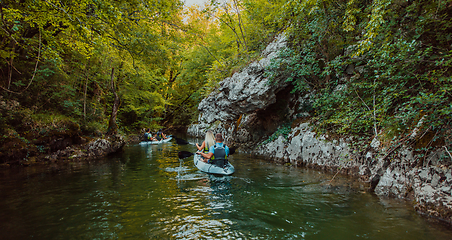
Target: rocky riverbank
point(95, 148)
point(35, 141)
point(88, 150)
point(395, 174)
point(249, 111)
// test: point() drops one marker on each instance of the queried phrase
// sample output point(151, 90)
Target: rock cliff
point(246, 105)
point(247, 110)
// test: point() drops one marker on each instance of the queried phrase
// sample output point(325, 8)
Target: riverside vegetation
point(86, 70)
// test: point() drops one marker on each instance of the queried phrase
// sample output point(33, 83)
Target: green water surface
point(146, 192)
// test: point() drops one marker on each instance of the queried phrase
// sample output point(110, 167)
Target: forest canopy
point(377, 66)
point(57, 58)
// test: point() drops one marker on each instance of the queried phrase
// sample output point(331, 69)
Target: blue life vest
point(219, 157)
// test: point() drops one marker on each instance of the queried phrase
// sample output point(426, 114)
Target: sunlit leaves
point(351, 16)
point(375, 65)
point(84, 40)
point(372, 30)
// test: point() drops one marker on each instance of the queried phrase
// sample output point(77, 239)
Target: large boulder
point(244, 92)
point(95, 148)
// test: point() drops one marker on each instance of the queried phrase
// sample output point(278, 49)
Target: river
point(146, 192)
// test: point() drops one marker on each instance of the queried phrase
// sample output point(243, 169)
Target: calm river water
point(146, 192)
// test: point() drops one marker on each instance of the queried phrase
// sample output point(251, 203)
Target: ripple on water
point(190, 177)
point(176, 169)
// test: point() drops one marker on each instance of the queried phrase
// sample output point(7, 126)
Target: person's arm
point(205, 155)
point(200, 148)
point(226, 149)
point(209, 154)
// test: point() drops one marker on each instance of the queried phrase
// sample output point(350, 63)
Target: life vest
point(147, 136)
point(206, 149)
point(159, 136)
point(219, 158)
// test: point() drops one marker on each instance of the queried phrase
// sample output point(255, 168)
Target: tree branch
point(447, 152)
point(36, 65)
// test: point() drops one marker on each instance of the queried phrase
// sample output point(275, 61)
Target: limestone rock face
point(244, 92)
point(304, 147)
point(430, 187)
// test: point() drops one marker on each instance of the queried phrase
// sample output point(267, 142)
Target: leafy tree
point(72, 37)
point(394, 59)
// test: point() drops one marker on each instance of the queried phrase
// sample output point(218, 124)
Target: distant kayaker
point(218, 152)
point(148, 135)
point(160, 135)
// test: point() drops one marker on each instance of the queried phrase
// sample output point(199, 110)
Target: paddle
point(186, 154)
point(231, 150)
point(181, 141)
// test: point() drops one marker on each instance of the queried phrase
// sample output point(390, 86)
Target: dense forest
point(95, 68)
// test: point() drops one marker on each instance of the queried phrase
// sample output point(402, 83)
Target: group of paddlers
point(212, 149)
point(159, 135)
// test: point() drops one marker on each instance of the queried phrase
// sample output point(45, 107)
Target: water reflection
point(146, 192)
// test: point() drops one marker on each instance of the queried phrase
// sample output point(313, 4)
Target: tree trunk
point(85, 90)
point(112, 127)
point(240, 25)
point(10, 69)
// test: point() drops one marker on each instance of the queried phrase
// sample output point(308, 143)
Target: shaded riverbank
point(87, 150)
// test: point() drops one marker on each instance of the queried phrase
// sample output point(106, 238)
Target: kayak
point(228, 169)
point(156, 142)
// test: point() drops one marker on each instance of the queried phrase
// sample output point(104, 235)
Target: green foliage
point(62, 60)
point(46, 119)
point(316, 43)
point(165, 62)
point(382, 68)
point(282, 130)
point(376, 67)
point(93, 128)
point(240, 30)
